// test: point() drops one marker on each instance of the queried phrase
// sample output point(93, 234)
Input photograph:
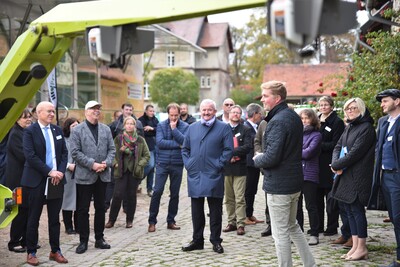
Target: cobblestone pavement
point(137, 247)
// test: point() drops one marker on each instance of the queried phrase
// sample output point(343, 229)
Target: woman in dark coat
point(353, 162)
point(13, 174)
point(332, 127)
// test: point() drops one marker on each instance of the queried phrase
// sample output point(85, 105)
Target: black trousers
point(125, 188)
point(18, 228)
point(332, 218)
point(85, 194)
point(252, 178)
point(67, 218)
point(199, 220)
point(36, 201)
point(310, 196)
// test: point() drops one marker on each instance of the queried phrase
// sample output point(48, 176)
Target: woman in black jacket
point(13, 174)
point(352, 163)
point(332, 127)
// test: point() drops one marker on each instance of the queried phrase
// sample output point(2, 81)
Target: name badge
point(58, 137)
point(390, 138)
point(328, 129)
point(237, 135)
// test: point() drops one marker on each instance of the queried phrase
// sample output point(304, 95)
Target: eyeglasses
point(228, 105)
point(324, 105)
point(236, 112)
point(350, 109)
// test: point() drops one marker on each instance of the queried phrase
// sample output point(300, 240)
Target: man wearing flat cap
point(93, 150)
point(387, 162)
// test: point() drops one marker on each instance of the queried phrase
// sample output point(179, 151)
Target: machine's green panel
point(49, 36)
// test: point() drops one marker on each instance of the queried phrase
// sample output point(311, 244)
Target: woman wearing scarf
point(132, 155)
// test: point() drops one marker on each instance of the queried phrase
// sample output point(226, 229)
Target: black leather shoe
point(70, 231)
point(102, 244)
point(18, 249)
point(267, 231)
point(193, 246)
point(218, 248)
point(330, 232)
point(81, 248)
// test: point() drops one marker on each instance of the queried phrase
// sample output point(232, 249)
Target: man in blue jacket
point(387, 163)
point(169, 138)
point(208, 146)
point(283, 174)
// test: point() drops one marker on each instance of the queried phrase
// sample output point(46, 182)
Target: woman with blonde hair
point(132, 155)
point(352, 163)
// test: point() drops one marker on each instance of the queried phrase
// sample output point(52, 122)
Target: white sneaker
point(314, 240)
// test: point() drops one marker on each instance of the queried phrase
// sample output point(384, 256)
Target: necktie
point(49, 156)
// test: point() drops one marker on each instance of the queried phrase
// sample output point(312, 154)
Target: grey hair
point(208, 101)
point(252, 109)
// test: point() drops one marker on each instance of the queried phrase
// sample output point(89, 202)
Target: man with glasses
point(235, 173)
point(227, 105)
point(93, 150)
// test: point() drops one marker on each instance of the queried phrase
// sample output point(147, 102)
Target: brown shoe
point(248, 221)
point(172, 226)
point(387, 220)
point(340, 241)
point(240, 230)
point(229, 228)
point(349, 243)
point(58, 257)
point(32, 259)
point(110, 224)
point(152, 228)
point(128, 224)
point(254, 219)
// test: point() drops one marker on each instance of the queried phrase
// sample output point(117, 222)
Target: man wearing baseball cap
point(93, 150)
point(387, 162)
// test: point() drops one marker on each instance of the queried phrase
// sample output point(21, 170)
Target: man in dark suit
point(387, 162)
point(46, 156)
point(254, 115)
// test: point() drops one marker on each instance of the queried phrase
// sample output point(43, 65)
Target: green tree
point(371, 73)
point(254, 49)
point(174, 85)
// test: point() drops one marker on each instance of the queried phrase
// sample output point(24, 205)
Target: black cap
point(394, 93)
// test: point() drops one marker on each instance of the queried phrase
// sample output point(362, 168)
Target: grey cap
point(394, 93)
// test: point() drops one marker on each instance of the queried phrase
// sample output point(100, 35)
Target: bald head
point(45, 111)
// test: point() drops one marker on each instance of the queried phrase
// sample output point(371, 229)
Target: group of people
point(319, 157)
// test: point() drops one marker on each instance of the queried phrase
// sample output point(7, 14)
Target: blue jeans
point(391, 190)
point(357, 220)
point(149, 171)
point(175, 179)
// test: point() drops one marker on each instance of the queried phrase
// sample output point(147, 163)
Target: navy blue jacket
point(205, 152)
point(382, 128)
point(35, 168)
point(169, 142)
point(281, 160)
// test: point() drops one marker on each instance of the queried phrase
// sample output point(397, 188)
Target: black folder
point(54, 191)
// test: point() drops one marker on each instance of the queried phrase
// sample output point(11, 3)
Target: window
point(170, 59)
point(205, 81)
point(146, 92)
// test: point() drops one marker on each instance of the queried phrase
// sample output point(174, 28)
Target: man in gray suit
point(92, 148)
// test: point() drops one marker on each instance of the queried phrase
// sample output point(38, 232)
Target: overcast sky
point(236, 18)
